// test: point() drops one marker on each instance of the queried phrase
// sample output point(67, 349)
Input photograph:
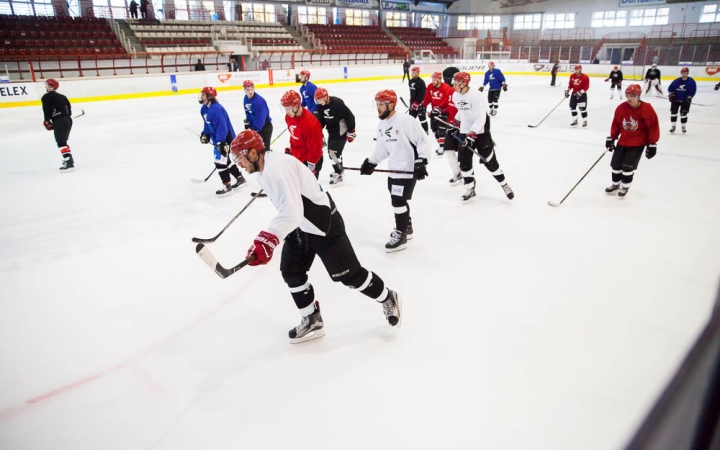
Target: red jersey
point(579, 83)
point(636, 127)
point(441, 97)
point(306, 138)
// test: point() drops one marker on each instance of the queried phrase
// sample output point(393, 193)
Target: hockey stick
point(213, 239)
point(406, 105)
point(198, 180)
point(556, 204)
point(213, 263)
point(556, 106)
point(381, 170)
point(82, 113)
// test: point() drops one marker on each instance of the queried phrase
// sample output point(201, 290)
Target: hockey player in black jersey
point(616, 78)
point(417, 95)
point(652, 78)
point(310, 223)
point(58, 118)
point(448, 75)
point(333, 114)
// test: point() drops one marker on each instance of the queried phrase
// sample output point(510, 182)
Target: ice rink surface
point(525, 326)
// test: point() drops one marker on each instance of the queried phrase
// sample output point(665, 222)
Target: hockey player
point(311, 225)
point(437, 95)
point(333, 114)
point(307, 91)
point(218, 131)
point(717, 86)
point(257, 113)
point(497, 81)
point(474, 136)
point(402, 142)
point(636, 124)
point(417, 94)
point(448, 75)
point(616, 76)
point(306, 135)
point(553, 72)
point(58, 118)
point(652, 78)
point(579, 84)
point(680, 93)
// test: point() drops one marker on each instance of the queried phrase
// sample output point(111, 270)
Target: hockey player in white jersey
point(474, 136)
point(402, 141)
point(311, 225)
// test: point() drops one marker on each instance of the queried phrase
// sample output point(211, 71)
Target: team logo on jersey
point(630, 125)
point(327, 115)
point(681, 88)
point(388, 132)
point(462, 104)
point(248, 108)
point(436, 95)
point(292, 131)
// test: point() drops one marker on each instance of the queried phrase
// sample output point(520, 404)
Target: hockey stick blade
point(553, 204)
point(212, 262)
point(199, 180)
point(82, 113)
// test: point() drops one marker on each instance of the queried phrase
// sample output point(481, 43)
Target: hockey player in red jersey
point(306, 138)
point(437, 95)
point(578, 86)
point(636, 124)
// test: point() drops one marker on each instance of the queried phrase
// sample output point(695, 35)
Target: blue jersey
point(307, 92)
point(217, 123)
point(256, 112)
point(495, 78)
point(682, 89)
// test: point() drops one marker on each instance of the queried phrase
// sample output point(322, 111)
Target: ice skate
point(240, 183)
point(392, 307)
point(623, 192)
point(672, 129)
point(469, 195)
point(611, 96)
point(584, 123)
point(397, 242)
point(311, 327)
point(409, 231)
point(457, 179)
point(612, 188)
point(68, 165)
point(440, 151)
point(508, 191)
point(574, 124)
point(336, 179)
point(684, 130)
point(225, 191)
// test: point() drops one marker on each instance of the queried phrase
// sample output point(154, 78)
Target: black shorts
point(451, 143)
point(578, 102)
point(266, 134)
point(61, 128)
point(337, 144)
point(401, 187)
point(626, 158)
point(614, 85)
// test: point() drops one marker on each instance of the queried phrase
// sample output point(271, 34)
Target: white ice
point(525, 326)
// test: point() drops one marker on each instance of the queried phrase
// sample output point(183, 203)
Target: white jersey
point(295, 192)
point(400, 140)
point(472, 111)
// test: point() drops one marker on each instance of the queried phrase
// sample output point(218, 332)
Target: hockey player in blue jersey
point(680, 94)
point(218, 131)
point(307, 91)
point(497, 81)
point(257, 113)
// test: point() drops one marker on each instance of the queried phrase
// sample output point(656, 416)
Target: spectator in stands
point(596, 60)
point(233, 67)
point(554, 71)
point(406, 70)
point(133, 9)
point(199, 66)
point(143, 9)
point(265, 65)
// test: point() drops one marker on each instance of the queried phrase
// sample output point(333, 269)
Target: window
point(645, 17)
point(396, 19)
point(357, 17)
point(311, 14)
point(527, 22)
point(609, 19)
point(257, 12)
point(709, 14)
point(430, 21)
point(554, 21)
point(479, 23)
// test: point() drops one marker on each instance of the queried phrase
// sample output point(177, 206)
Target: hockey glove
point(687, 101)
point(247, 124)
point(415, 106)
point(610, 143)
point(48, 125)
point(470, 139)
point(606, 79)
point(504, 87)
point(650, 151)
point(567, 94)
point(263, 247)
point(367, 167)
point(671, 97)
point(717, 86)
point(436, 112)
point(420, 170)
point(288, 151)
point(223, 148)
point(481, 88)
point(351, 135)
point(204, 139)
point(579, 94)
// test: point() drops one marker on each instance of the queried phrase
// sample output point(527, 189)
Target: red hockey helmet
point(321, 92)
point(462, 77)
point(415, 69)
point(491, 64)
point(437, 75)
point(578, 67)
point(684, 70)
point(615, 68)
point(53, 83)
point(248, 84)
point(386, 95)
point(245, 141)
point(306, 73)
point(633, 89)
point(209, 92)
point(290, 98)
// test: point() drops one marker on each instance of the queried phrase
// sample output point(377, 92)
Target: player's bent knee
point(354, 279)
point(294, 279)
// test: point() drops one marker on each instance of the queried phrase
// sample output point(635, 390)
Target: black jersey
point(652, 74)
point(336, 117)
point(616, 76)
point(417, 90)
point(55, 105)
point(449, 73)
